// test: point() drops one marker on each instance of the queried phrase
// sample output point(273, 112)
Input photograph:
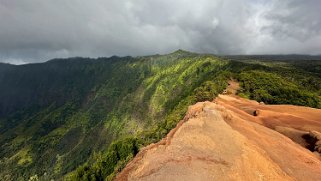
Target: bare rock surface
point(233, 138)
point(214, 143)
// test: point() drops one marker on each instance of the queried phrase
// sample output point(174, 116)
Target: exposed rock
point(314, 140)
point(256, 112)
point(220, 141)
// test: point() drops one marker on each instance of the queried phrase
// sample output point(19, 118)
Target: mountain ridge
point(221, 140)
point(86, 119)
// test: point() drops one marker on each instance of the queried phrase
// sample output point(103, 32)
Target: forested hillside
point(83, 118)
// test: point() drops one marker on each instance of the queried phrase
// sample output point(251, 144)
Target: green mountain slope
point(82, 118)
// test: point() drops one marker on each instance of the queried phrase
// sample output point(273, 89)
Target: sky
point(39, 30)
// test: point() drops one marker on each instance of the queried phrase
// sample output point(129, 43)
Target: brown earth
point(232, 87)
point(294, 122)
point(235, 139)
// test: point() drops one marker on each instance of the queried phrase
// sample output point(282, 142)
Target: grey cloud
point(298, 19)
point(37, 30)
point(290, 26)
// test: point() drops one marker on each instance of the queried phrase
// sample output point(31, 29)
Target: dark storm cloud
point(37, 30)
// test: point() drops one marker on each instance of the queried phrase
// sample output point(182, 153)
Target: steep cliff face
point(233, 139)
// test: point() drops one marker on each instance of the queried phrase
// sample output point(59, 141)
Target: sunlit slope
point(55, 115)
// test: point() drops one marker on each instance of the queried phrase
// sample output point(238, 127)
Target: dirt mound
point(225, 141)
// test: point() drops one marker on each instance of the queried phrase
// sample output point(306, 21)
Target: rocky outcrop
point(313, 138)
point(221, 141)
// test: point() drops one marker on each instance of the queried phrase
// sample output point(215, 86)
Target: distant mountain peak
point(180, 51)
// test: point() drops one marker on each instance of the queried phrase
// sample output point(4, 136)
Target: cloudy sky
point(38, 30)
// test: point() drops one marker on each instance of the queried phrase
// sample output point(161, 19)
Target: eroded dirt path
point(232, 88)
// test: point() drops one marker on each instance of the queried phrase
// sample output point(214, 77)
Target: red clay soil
point(234, 139)
point(232, 87)
point(292, 121)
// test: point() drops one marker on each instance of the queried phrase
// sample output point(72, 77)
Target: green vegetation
point(121, 151)
point(84, 119)
point(273, 89)
point(118, 153)
point(85, 107)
